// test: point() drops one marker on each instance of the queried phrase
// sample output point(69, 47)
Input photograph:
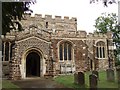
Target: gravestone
point(96, 73)
point(118, 76)
point(93, 81)
point(81, 78)
point(75, 78)
point(110, 75)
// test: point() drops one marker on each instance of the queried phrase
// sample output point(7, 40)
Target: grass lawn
point(8, 85)
point(68, 81)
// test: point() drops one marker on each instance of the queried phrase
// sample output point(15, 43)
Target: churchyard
point(92, 79)
point(102, 79)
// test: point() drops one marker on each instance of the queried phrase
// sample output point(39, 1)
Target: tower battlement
point(100, 35)
point(50, 17)
point(59, 25)
point(48, 22)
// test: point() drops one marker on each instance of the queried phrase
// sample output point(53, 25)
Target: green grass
point(68, 81)
point(103, 83)
point(9, 85)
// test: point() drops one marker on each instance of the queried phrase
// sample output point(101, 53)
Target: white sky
point(85, 12)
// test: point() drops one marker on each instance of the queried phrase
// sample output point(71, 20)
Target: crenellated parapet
point(50, 17)
point(47, 22)
point(82, 34)
point(100, 35)
point(57, 26)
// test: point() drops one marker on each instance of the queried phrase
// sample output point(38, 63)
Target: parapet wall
point(94, 35)
point(100, 35)
point(49, 17)
point(60, 25)
point(47, 22)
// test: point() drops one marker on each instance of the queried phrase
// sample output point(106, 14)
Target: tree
point(105, 2)
point(13, 11)
point(108, 22)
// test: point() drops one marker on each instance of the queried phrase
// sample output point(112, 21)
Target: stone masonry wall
point(80, 53)
point(33, 43)
point(37, 33)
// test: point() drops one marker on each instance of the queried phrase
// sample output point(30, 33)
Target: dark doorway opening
point(33, 65)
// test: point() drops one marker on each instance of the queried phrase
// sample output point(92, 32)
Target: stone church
point(51, 46)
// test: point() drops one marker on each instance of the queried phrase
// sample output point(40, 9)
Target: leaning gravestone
point(118, 76)
point(81, 78)
point(96, 73)
point(110, 75)
point(76, 78)
point(93, 81)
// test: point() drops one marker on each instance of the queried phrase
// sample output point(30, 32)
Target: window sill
point(102, 58)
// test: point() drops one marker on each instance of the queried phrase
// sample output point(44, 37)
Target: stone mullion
point(4, 51)
point(67, 52)
point(9, 50)
point(63, 51)
point(67, 58)
point(99, 52)
point(73, 61)
point(102, 51)
point(63, 57)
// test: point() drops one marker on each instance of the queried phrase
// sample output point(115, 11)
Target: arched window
point(100, 50)
point(65, 51)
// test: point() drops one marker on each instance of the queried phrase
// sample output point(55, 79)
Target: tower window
point(46, 24)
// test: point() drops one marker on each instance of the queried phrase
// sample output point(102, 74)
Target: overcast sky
point(85, 12)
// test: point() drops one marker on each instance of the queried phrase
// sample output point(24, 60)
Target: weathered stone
point(96, 73)
point(110, 75)
point(81, 78)
point(118, 76)
point(93, 81)
point(76, 78)
point(45, 35)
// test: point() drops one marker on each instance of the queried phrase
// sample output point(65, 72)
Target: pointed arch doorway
point(33, 64)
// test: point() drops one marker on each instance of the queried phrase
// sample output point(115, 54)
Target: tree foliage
point(106, 22)
point(109, 22)
point(105, 2)
point(13, 11)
